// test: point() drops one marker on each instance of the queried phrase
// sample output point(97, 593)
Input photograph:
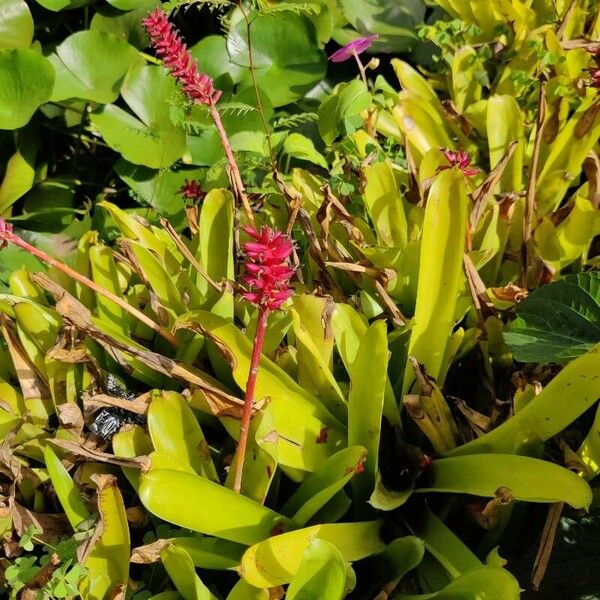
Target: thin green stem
point(255, 85)
point(259, 340)
point(361, 68)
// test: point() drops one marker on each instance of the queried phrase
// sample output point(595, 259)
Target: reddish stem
point(259, 339)
point(83, 280)
point(234, 172)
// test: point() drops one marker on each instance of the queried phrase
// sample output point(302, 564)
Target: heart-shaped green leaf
point(151, 139)
point(16, 24)
point(286, 56)
point(26, 80)
point(91, 65)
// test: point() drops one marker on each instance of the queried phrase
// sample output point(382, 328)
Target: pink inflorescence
point(176, 57)
point(268, 269)
point(191, 190)
point(355, 47)
point(460, 159)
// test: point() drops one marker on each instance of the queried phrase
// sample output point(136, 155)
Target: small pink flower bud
point(191, 190)
point(460, 159)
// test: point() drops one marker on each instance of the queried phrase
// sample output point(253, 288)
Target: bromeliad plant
point(386, 431)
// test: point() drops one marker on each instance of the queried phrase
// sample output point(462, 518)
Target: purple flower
point(355, 47)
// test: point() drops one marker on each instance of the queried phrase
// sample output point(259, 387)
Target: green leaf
point(16, 24)
point(130, 4)
point(393, 20)
point(566, 397)
point(20, 171)
point(272, 381)
point(244, 591)
point(158, 188)
point(130, 443)
point(566, 155)
point(276, 560)
point(213, 58)
point(528, 479)
point(589, 451)
point(365, 404)
point(202, 505)
point(26, 80)
point(286, 56)
point(443, 544)
point(384, 205)
point(215, 237)
point(211, 553)
point(180, 568)
point(150, 139)
point(58, 5)
point(127, 25)
point(174, 429)
point(559, 321)
point(322, 573)
point(323, 484)
point(299, 146)
point(440, 273)
point(65, 489)
point(562, 244)
point(314, 371)
point(466, 90)
point(108, 563)
point(505, 125)
point(349, 100)
point(384, 499)
point(484, 583)
point(80, 73)
point(399, 557)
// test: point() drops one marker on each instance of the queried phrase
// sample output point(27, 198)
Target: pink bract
point(268, 269)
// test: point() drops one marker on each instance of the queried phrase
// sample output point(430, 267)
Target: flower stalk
point(268, 273)
point(8, 236)
point(197, 86)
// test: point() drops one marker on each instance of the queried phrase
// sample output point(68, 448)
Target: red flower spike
point(170, 47)
point(460, 159)
point(267, 267)
point(191, 190)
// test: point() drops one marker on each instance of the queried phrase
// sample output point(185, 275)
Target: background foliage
point(433, 382)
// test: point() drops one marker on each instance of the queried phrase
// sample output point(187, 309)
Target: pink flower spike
point(460, 159)
point(191, 190)
point(357, 46)
point(268, 270)
point(170, 47)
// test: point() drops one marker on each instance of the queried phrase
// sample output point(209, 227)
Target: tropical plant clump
point(299, 300)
